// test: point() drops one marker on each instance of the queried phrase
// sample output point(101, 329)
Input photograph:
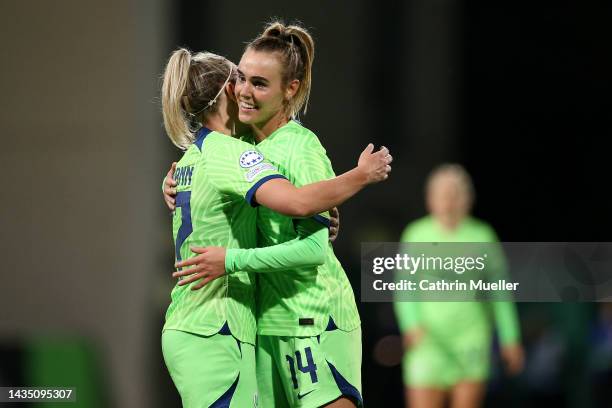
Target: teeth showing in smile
point(245, 105)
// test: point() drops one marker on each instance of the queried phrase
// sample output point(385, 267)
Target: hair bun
point(282, 32)
point(273, 32)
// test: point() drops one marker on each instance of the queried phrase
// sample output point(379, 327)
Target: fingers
point(196, 260)
point(169, 190)
point(169, 203)
point(170, 182)
point(334, 212)
point(192, 278)
point(204, 282)
point(187, 272)
point(199, 250)
point(389, 158)
point(367, 151)
point(169, 194)
point(383, 151)
point(199, 259)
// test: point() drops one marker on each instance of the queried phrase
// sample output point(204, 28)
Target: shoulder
point(295, 136)
point(416, 227)
point(218, 144)
point(229, 152)
point(484, 229)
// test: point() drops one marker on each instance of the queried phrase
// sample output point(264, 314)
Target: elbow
point(320, 260)
point(319, 254)
point(317, 258)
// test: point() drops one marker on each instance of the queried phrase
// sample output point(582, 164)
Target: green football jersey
point(300, 301)
point(216, 181)
point(450, 318)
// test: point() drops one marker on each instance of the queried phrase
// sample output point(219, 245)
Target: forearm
point(506, 321)
point(306, 250)
point(407, 314)
point(281, 196)
point(323, 195)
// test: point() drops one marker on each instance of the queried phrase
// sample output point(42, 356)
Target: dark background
point(516, 92)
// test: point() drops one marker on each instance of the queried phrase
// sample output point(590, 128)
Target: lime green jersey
point(451, 318)
point(216, 181)
point(300, 301)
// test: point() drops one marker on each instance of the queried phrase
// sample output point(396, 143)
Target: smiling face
point(261, 92)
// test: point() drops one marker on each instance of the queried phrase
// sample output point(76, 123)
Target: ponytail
point(173, 91)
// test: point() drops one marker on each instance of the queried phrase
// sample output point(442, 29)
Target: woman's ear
point(229, 89)
point(292, 89)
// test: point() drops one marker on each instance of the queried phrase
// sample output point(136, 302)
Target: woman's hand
point(514, 358)
point(334, 224)
point(209, 265)
point(375, 166)
point(412, 337)
point(169, 189)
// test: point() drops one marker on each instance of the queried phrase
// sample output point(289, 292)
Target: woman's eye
point(240, 78)
point(259, 84)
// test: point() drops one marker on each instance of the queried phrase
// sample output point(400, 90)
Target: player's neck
point(449, 225)
point(219, 124)
point(262, 131)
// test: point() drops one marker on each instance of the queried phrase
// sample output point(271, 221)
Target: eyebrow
point(257, 78)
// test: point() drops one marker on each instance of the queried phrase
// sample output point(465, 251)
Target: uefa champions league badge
point(250, 158)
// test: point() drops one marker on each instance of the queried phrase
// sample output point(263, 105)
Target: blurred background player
point(447, 344)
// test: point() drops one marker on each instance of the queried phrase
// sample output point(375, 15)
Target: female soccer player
point(209, 335)
point(309, 335)
point(448, 343)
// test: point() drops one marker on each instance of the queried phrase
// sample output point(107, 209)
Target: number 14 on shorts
point(310, 366)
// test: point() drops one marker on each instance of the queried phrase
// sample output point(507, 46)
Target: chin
point(246, 119)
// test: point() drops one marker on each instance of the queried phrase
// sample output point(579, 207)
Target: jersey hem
point(208, 332)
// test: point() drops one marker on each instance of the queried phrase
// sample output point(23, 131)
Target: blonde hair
point(295, 47)
point(458, 173)
point(191, 86)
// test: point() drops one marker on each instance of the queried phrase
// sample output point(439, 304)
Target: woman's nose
point(246, 89)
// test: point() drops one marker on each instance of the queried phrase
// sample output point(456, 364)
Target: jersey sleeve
point(307, 249)
point(407, 313)
point(237, 168)
point(407, 234)
point(504, 312)
point(506, 322)
point(308, 163)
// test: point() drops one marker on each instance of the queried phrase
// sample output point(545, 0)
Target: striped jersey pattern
point(300, 302)
point(216, 180)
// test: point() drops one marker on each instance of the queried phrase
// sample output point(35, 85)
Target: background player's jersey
point(448, 319)
point(308, 295)
point(216, 180)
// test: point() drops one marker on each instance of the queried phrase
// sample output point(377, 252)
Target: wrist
point(360, 176)
point(229, 261)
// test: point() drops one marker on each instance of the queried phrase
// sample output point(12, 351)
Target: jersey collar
point(200, 136)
